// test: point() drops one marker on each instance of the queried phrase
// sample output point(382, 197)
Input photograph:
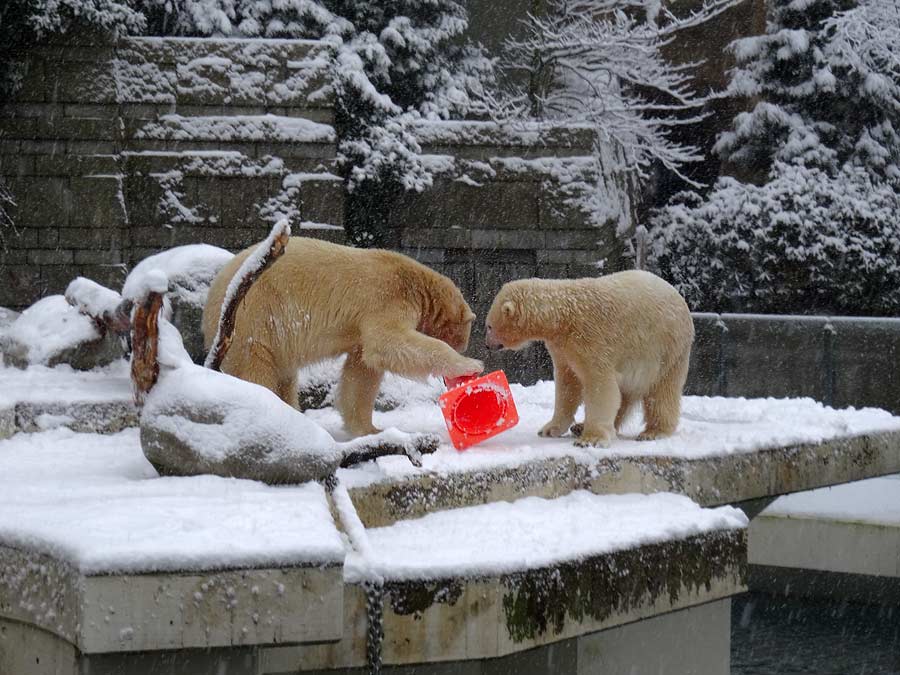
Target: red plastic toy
point(477, 408)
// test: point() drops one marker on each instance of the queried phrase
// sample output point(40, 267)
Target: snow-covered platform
point(838, 542)
point(521, 543)
point(99, 552)
point(726, 451)
point(38, 398)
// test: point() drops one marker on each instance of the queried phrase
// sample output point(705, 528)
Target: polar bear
point(385, 311)
point(614, 340)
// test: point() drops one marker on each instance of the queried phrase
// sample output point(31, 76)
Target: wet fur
point(615, 341)
point(385, 311)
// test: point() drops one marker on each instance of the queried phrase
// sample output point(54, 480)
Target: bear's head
point(505, 325)
point(450, 318)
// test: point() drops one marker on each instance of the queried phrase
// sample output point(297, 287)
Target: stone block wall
point(116, 151)
point(840, 361)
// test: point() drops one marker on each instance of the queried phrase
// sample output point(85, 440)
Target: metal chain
point(375, 631)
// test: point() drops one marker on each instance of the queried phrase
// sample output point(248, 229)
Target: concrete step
point(119, 565)
point(852, 528)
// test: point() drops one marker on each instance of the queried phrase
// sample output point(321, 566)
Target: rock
point(52, 332)
point(187, 318)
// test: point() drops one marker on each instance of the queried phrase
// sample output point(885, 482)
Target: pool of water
point(775, 635)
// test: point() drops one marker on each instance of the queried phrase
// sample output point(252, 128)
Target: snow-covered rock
point(189, 270)
point(51, 332)
point(200, 421)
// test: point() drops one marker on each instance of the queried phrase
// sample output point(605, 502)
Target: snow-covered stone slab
point(725, 451)
point(490, 580)
point(93, 401)
point(220, 562)
point(850, 529)
point(238, 128)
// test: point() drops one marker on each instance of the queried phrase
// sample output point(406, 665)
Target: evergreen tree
point(820, 234)
point(828, 77)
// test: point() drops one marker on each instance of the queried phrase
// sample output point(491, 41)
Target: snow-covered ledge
point(726, 451)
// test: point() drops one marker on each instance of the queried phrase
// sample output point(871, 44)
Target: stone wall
point(841, 361)
point(114, 151)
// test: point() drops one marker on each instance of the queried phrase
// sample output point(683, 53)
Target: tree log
point(145, 345)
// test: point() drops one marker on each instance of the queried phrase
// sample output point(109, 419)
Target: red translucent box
point(477, 408)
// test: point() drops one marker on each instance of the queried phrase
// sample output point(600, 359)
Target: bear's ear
point(509, 309)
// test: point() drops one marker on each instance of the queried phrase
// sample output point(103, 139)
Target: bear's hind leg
point(356, 395)
point(568, 398)
point(662, 405)
point(602, 400)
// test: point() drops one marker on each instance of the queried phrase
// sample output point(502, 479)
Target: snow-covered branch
point(599, 63)
point(251, 269)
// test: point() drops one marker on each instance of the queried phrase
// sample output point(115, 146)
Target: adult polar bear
point(614, 340)
point(385, 311)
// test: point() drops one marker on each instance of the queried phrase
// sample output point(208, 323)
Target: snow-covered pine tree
point(392, 65)
point(827, 73)
point(820, 234)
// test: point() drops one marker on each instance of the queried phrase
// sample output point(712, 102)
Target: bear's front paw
point(465, 366)
point(553, 429)
point(602, 438)
point(361, 429)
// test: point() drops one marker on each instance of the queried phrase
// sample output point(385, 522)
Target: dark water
point(773, 636)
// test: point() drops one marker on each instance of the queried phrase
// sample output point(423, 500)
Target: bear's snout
point(491, 341)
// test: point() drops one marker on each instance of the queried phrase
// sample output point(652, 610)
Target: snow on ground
point(501, 537)
point(709, 427)
point(63, 384)
point(875, 500)
point(95, 501)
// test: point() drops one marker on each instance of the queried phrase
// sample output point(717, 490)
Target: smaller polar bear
point(615, 340)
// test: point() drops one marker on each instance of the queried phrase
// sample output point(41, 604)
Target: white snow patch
point(189, 269)
point(91, 298)
point(95, 501)
point(63, 384)
point(875, 500)
point(502, 537)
